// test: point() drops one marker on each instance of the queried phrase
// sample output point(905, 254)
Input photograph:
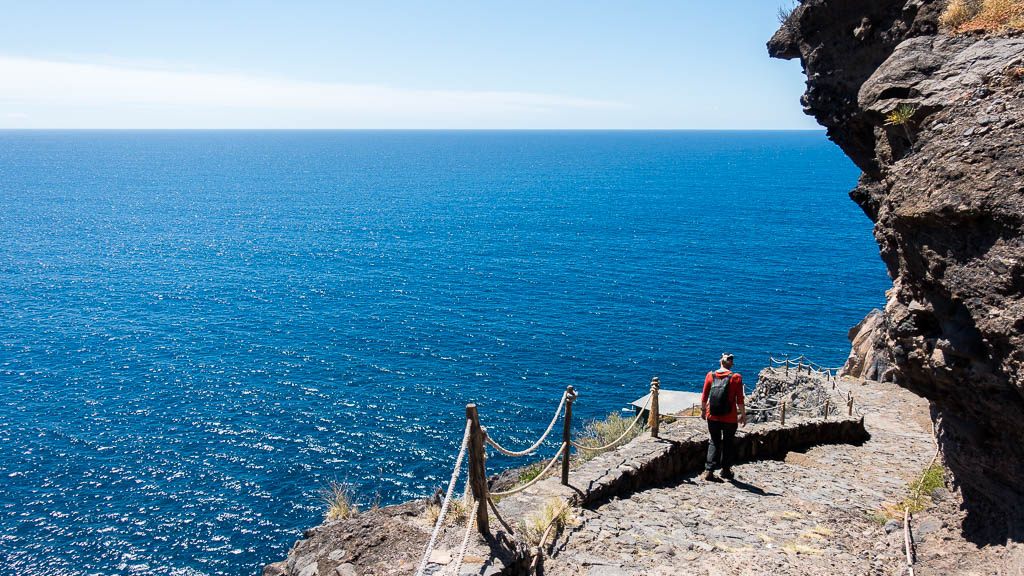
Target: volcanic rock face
point(946, 193)
point(870, 356)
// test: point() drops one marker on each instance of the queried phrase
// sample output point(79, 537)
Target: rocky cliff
point(945, 188)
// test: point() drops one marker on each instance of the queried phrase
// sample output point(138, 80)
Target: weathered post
point(782, 419)
point(849, 406)
point(787, 364)
point(477, 470)
point(654, 416)
point(826, 408)
point(570, 396)
point(800, 366)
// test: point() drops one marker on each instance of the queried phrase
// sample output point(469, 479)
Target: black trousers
point(720, 447)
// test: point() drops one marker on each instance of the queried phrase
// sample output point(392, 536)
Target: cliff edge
point(944, 185)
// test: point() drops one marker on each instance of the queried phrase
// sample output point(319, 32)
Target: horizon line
point(819, 129)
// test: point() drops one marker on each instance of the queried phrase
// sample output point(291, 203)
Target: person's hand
point(743, 420)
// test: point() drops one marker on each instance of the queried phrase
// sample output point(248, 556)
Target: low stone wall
point(681, 450)
point(389, 541)
point(651, 461)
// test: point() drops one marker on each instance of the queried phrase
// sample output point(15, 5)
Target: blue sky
point(391, 64)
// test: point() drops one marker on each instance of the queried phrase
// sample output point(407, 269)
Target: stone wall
point(648, 462)
point(390, 540)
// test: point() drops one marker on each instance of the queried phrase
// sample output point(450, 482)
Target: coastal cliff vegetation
point(983, 15)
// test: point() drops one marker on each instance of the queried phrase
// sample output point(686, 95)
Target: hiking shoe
point(709, 475)
point(726, 474)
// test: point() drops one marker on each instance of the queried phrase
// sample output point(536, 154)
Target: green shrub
point(921, 490)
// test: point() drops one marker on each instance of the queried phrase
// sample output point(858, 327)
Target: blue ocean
point(199, 330)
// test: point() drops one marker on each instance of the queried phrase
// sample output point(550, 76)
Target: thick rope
point(801, 359)
point(536, 479)
point(465, 543)
point(617, 440)
point(906, 541)
point(497, 515)
point(536, 444)
point(447, 500)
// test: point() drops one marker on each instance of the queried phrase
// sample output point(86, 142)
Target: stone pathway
point(807, 514)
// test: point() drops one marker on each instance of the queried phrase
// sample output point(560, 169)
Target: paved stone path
point(807, 514)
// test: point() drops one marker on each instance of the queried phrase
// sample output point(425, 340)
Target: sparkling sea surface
point(198, 330)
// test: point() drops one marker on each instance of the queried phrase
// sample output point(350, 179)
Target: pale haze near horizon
point(395, 65)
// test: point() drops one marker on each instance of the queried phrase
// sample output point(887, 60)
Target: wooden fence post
point(787, 364)
point(570, 396)
point(849, 406)
point(477, 469)
point(826, 408)
point(654, 417)
point(783, 419)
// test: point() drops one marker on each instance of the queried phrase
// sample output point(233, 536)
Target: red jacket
point(735, 391)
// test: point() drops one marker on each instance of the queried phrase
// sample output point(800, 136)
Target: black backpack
point(719, 401)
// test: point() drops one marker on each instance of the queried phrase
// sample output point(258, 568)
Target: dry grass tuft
point(458, 510)
point(601, 432)
point(555, 511)
point(983, 15)
point(339, 498)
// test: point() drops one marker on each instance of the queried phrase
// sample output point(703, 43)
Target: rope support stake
point(477, 468)
point(570, 397)
point(654, 419)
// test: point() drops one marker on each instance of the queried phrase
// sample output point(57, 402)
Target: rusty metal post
point(477, 469)
point(654, 416)
point(570, 397)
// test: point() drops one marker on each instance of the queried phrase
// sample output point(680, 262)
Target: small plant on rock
point(902, 115)
point(784, 12)
point(458, 510)
point(921, 490)
point(555, 512)
point(983, 15)
point(601, 432)
point(339, 498)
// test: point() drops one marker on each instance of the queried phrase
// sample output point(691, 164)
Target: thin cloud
point(139, 94)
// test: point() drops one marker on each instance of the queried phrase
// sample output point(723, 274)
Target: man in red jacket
point(721, 401)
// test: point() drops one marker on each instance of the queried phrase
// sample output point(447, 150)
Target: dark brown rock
point(946, 192)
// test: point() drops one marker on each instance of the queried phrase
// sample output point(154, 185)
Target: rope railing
point(536, 478)
point(620, 438)
point(447, 501)
point(465, 546)
point(802, 363)
point(497, 515)
point(476, 438)
point(536, 444)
